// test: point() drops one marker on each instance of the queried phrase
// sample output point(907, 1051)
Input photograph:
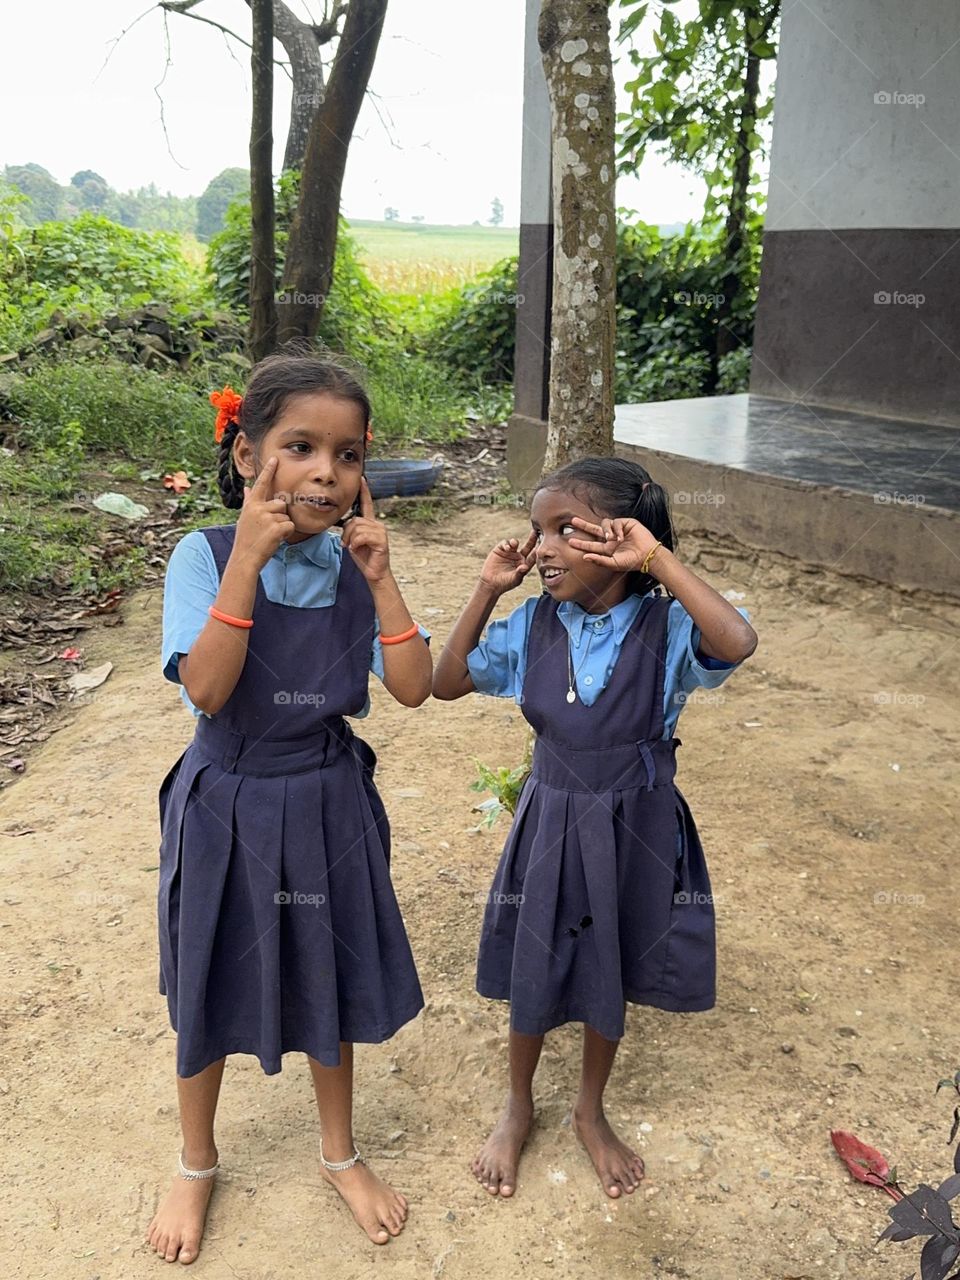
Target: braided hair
point(292, 372)
point(616, 488)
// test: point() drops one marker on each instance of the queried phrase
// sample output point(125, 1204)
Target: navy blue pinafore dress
point(601, 894)
point(279, 926)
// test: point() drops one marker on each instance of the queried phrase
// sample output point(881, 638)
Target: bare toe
point(378, 1209)
point(619, 1169)
point(495, 1166)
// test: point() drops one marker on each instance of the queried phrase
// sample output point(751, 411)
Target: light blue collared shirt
point(303, 574)
point(498, 664)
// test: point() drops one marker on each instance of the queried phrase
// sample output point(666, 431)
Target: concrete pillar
point(858, 305)
point(527, 427)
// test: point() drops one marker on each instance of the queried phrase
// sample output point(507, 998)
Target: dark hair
point(273, 381)
point(614, 488)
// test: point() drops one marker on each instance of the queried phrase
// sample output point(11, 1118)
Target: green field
point(414, 257)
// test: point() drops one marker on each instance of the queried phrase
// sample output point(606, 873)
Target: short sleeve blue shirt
point(498, 663)
point(303, 574)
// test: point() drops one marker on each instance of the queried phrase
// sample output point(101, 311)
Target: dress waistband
point(597, 769)
point(248, 753)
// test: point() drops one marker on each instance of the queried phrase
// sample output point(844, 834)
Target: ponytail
point(652, 509)
point(229, 479)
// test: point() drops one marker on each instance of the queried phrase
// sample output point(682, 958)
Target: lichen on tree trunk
point(574, 38)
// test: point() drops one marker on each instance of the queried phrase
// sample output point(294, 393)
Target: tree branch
point(184, 8)
point(326, 30)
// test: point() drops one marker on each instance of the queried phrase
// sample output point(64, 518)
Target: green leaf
point(663, 95)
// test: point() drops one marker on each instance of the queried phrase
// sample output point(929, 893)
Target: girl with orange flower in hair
point(279, 927)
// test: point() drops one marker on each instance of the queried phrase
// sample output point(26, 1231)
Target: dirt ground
point(823, 777)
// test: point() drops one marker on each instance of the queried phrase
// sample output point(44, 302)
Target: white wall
point(839, 158)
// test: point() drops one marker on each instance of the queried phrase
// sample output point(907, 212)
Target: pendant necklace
point(571, 674)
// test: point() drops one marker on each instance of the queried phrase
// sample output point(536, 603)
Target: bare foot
point(618, 1168)
point(177, 1226)
point(495, 1165)
point(378, 1209)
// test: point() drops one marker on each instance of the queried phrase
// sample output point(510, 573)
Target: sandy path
point(804, 820)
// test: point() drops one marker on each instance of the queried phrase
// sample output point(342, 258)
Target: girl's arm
point(210, 671)
point(504, 568)
point(724, 633)
point(452, 679)
point(406, 666)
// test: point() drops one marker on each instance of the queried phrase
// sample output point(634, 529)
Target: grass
point(416, 258)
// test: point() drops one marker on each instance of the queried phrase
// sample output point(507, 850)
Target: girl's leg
point(177, 1225)
point(618, 1167)
point(495, 1165)
point(379, 1210)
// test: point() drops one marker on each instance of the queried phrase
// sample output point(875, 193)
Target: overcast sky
point(448, 80)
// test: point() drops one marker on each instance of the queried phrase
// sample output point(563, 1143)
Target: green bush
point(86, 267)
point(473, 330)
point(734, 372)
point(668, 290)
point(93, 253)
point(144, 415)
point(669, 374)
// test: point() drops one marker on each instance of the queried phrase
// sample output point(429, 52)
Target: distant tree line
point(146, 209)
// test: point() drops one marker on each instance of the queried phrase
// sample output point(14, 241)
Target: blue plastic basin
point(401, 477)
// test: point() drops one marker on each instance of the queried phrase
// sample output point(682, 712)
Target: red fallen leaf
point(70, 655)
point(177, 481)
point(866, 1164)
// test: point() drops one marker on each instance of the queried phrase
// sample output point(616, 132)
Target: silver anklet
point(194, 1175)
point(338, 1166)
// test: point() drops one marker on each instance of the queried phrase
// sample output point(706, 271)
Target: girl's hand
point(264, 522)
point(365, 537)
point(508, 564)
point(621, 544)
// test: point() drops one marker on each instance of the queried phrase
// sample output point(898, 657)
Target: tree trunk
point(574, 37)
point(301, 43)
point(735, 237)
point(308, 270)
point(263, 284)
point(735, 232)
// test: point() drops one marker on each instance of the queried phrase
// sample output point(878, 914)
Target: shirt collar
point(318, 549)
point(622, 615)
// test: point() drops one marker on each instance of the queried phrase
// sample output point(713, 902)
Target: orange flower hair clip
point(227, 403)
point(369, 436)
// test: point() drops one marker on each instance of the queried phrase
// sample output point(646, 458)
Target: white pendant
point(571, 696)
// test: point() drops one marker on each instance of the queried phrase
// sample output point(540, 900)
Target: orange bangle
point(245, 623)
point(407, 635)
